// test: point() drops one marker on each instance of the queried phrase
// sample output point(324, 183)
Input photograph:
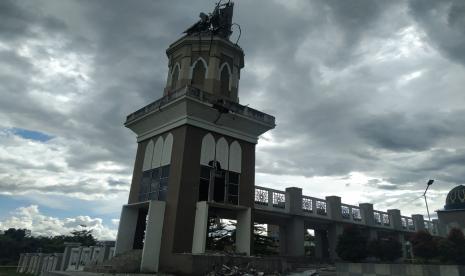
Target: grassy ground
point(9, 271)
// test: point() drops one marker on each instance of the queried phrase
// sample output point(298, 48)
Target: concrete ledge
point(373, 269)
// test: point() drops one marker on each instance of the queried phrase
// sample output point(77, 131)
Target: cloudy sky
point(368, 97)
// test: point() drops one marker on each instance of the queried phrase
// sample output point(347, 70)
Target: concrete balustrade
point(293, 202)
point(74, 258)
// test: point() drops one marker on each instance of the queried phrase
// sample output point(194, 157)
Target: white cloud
point(44, 167)
point(31, 218)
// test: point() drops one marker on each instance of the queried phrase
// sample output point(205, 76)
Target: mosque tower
point(195, 151)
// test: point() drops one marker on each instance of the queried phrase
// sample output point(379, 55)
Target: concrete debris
point(225, 270)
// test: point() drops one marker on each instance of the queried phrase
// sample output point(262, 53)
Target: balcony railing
point(276, 200)
point(202, 96)
point(350, 212)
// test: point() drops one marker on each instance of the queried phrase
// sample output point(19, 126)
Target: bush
point(446, 250)
point(452, 249)
point(424, 246)
point(388, 249)
point(352, 245)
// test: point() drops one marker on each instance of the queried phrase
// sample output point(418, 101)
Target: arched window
point(220, 169)
point(156, 169)
point(225, 79)
point(174, 76)
point(199, 72)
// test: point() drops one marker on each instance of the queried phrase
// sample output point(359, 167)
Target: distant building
point(453, 214)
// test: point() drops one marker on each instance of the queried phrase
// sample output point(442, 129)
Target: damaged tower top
point(219, 22)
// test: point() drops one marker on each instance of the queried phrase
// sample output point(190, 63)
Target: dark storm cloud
point(18, 20)
point(397, 132)
point(444, 22)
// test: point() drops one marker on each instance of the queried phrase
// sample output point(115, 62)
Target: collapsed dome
point(456, 199)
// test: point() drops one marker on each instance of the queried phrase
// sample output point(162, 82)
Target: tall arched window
point(199, 72)
point(225, 79)
point(156, 168)
point(220, 169)
point(174, 76)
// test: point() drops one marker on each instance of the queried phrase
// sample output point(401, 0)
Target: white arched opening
point(167, 148)
point(198, 72)
point(174, 76)
point(157, 152)
point(207, 152)
point(235, 157)
point(148, 156)
point(222, 74)
point(222, 153)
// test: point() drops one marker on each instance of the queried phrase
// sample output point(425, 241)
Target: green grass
point(9, 271)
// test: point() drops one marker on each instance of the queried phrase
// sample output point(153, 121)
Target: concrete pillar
point(366, 210)
point(296, 237)
point(46, 260)
point(244, 231)
point(372, 234)
point(32, 263)
point(282, 240)
point(320, 235)
point(292, 237)
point(20, 262)
point(74, 259)
point(200, 228)
point(435, 226)
point(85, 258)
point(396, 219)
point(57, 261)
point(294, 200)
point(126, 229)
point(105, 252)
point(419, 222)
point(67, 254)
point(23, 263)
point(401, 239)
point(334, 230)
point(153, 232)
point(333, 206)
point(40, 262)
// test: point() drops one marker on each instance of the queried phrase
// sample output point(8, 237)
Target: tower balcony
point(189, 105)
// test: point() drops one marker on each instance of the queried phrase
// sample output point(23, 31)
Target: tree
point(309, 246)
point(423, 245)
point(263, 243)
point(16, 241)
point(221, 237)
point(352, 244)
point(82, 236)
point(452, 249)
point(17, 234)
point(386, 249)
